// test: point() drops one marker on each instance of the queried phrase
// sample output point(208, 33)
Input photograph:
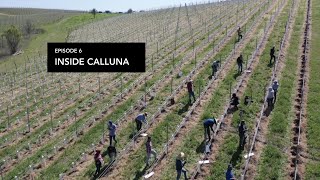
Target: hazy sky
point(113, 5)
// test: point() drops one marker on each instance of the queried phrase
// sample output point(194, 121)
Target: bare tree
point(13, 37)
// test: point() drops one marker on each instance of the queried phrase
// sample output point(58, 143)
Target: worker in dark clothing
point(242, 134)
point(141, 118)
point(98, 161)
point(179, 166)
point(215, 66)
point(190, 91)
point(234, 100)
point(240, 62)
point(229, 174)
point(239, 34)
point(208, 124)
point(272, 56)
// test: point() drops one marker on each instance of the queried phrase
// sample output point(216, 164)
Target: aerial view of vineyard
point(230, 91)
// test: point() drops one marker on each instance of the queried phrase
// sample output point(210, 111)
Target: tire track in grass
point(298, 133)
point(188, 143)
point(313, 113)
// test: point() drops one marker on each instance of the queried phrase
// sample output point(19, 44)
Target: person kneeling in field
point(112, 132)
point(208, 124)
point(234, 101)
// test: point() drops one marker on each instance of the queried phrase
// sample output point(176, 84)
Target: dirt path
point(298, 151)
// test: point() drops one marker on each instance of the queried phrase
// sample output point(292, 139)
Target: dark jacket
point(239, 60)
point(242, 129)
point(179, 164)
point(209, 122)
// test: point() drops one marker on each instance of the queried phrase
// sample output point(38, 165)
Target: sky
point(101, 5)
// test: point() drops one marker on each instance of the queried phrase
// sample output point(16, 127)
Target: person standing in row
point(234, 101)
point(275, 87)
point(242, 128)
point(150, 151)
point(240, 62)
point(270, 97)
point(190, 90)
point(180, 162)
point(98, 161)
point(141, 118)
point(215, 66)
point(208, 124)
point(272, 55)
point(112, 132)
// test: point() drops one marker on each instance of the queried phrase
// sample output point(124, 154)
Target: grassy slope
point(313, 167)
point(55, 32)
point(273, 157)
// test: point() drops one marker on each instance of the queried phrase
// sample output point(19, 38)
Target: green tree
point(130, 11)
point(13, 37)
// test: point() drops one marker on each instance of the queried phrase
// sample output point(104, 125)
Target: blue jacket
point(142, 118)
point(209, 122)
point(179, 164)
point(229, 174)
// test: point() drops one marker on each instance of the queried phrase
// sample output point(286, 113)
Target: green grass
point(55, 32)
point(313, 113)
point(273, 157)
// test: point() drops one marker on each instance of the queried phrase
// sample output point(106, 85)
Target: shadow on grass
point(268, 111)
point(184, 109)
point(270, 65)
point(101, 171)
point(236, 75)
point(139, 173)
point(236, 157)
point(201, 147)
point(232, 109)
